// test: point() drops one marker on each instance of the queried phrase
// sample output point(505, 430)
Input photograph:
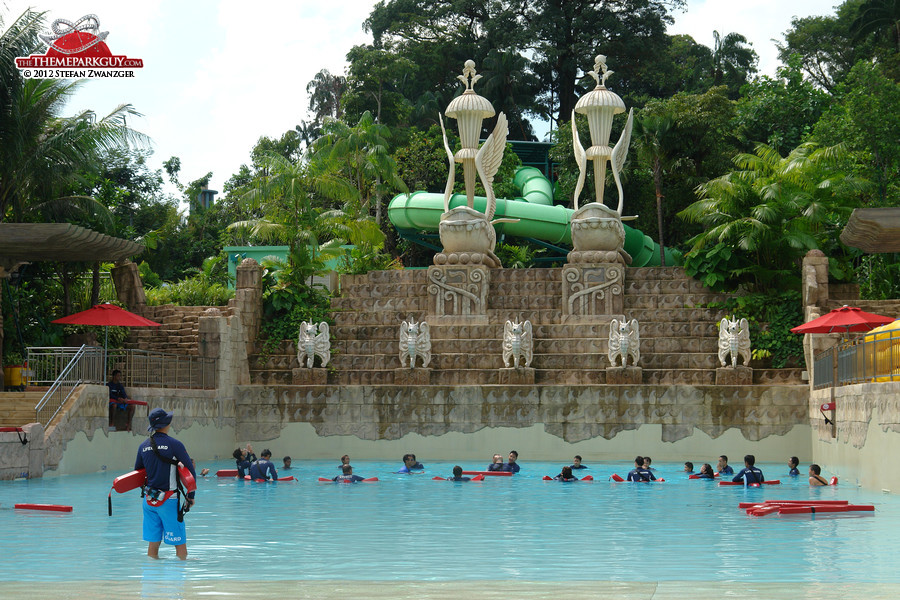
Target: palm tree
point(733, 60)
point(877, 16)
point(286, 195)
point(774, 209)
point(361, 155)
point(40, 151)
point(651, 137)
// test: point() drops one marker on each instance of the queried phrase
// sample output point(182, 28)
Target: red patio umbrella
point(843, 320)
point(106, 315)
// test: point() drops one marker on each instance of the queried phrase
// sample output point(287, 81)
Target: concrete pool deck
point(464, 590)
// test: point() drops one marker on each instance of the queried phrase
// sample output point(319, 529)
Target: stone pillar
point(592, 289)
point(223, 338)
point(129, 286)
point(35, 436)
point(248, 299)
point(458, 290)
point(815, 279)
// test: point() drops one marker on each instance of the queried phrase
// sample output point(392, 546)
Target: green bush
point(284, 308)
point(190, 292)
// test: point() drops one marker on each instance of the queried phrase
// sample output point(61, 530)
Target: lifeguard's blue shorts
point(161, 523)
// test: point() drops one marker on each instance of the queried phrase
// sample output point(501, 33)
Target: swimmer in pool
point(688, 467)
point(457, 475)
point(496, 463)
point(639, 473)
point(647, 462)
point(566, 475)
point(263, 468)
point(723, 467)
point(706, 472)
point(793, 463)
point(345, 460)
point(347, 476)
point(815, 476)
point(243, 458)
point(286, 463)
point(512, 466)
point(749, 474)
point(411, 465)
point(576, 464)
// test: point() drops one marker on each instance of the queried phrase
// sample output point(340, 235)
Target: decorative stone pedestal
point(407, 376)
point(310, 376)
point(457, 290)
point(739, 375)
point(514, 376)
point(593, 289)
point(624, 375)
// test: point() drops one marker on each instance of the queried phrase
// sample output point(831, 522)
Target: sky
point(218, 74)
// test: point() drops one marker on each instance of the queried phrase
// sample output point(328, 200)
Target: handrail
point(873, 358)
point(81, 367)
point(64, 368)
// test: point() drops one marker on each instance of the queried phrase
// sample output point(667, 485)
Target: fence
point(64, 368)
point(872, 358)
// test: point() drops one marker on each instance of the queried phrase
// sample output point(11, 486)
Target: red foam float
point(489, 473)
point(50, 507)
point(227, 473)
point(801, 507)
point(741, 483)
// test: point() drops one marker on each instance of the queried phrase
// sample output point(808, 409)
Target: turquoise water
point(410, 528)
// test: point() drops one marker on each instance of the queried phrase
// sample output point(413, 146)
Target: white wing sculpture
point(624, 341)
point(734, 340)
point(619, 153)
point(451, 177)
point(517, 342)
point(580, 160)
point(488, 160)
point(415, 340)
point(313, 342)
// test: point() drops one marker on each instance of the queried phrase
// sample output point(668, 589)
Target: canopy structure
point(843, 320)
point(873, 230)
point(32, 242)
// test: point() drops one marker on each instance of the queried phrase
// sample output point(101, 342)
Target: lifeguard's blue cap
point(159, 418)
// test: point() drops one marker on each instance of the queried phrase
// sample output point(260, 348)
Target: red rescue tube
point(798, 510)
point(792, 502)
point(227, 473)
point(770, 482)
point(50, 507)
point(547, 478)
point(478, 478)
point(129, 481)
point(833, 481)
point(587, 478)
point(489, 473)
point(615, 477)
point(288, 478)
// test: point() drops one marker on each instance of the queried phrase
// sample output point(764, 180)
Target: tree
point(651, 136)
point(781, 111)
point(773, 209)
point(879, 17)
point(733, 61)
point(361, 155)
point(325, 91)
point(864, 116)
point(375, 75)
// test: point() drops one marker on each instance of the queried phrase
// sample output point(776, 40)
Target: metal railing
point(81, 366)
point(63, 368)
point(872, 358)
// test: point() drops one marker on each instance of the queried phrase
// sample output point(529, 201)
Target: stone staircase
point(17, 408)
point(179, 332)
point(678, 339)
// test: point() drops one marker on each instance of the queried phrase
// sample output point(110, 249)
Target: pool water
point(411, 528)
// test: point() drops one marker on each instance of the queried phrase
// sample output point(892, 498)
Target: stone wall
point(85, 417)
point(22, 460)
point(866, 434)
point(571, 414)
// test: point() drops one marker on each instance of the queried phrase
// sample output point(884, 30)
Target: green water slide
point(538, 218)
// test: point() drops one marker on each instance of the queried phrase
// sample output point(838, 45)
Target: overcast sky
point(219, 74)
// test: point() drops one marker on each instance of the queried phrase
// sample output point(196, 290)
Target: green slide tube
point(537, 216)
